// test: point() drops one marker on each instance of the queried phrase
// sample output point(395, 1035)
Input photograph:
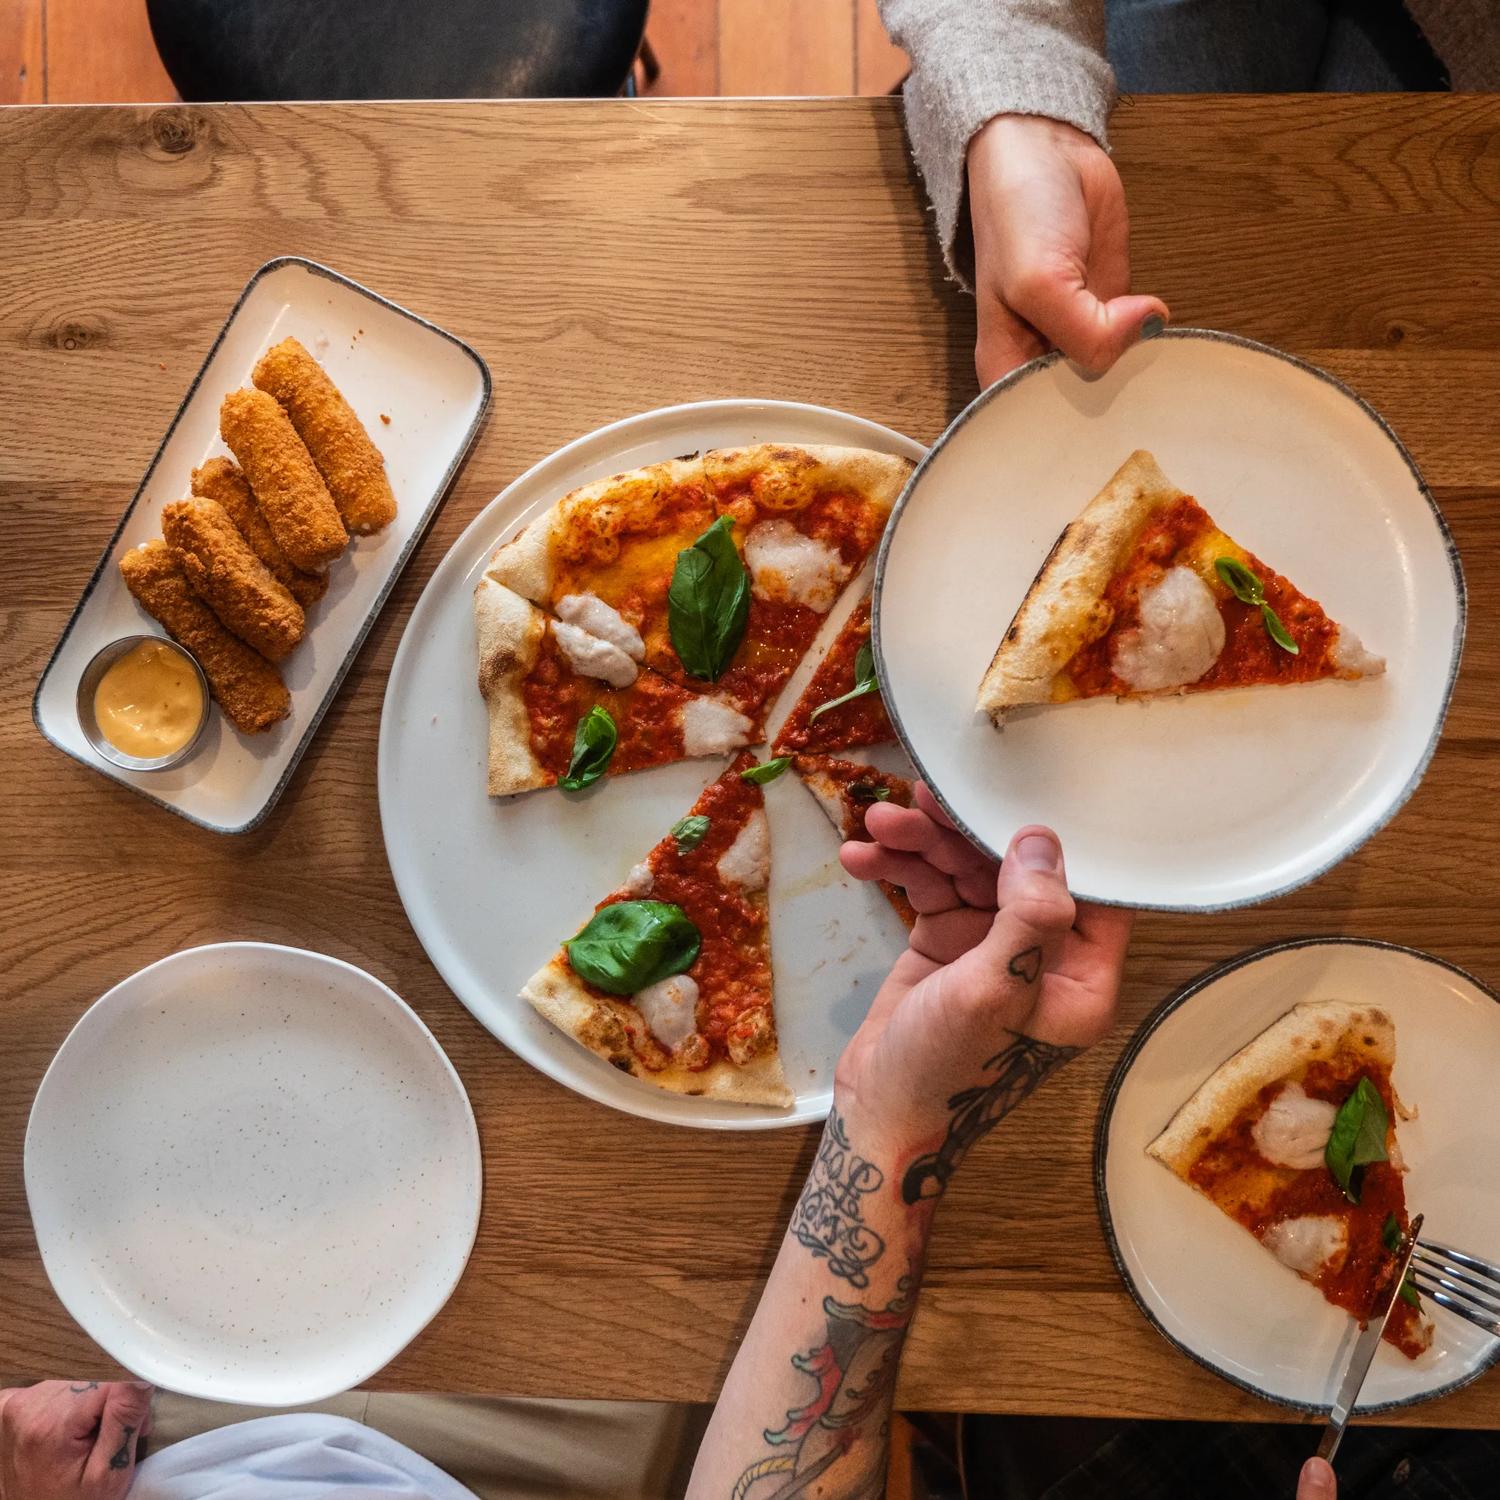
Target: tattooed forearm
point(1022, 1066)
point(829, 1217)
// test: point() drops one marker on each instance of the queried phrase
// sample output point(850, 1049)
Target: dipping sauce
point(150, 702)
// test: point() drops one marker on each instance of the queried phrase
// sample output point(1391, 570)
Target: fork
point(1462, 1283)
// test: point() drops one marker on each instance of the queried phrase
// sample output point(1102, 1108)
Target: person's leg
point(1374, 47)
point(1216, 46)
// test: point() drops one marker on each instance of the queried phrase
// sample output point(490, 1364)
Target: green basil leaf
point(1408, 1293)
point(708, 602)
point(1277, 631)
point(1391, 1236)
point(865, 681)
point(631, 944)
point(594, 743)
point(767, 771)
point(869, 791)
point(1239, 580)
point(689, 832)
point(1358, 1137)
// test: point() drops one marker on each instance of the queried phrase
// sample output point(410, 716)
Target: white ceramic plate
point(432, 386)
point(253, 1174)
point(492, 886)
point(1205, 1283)
point(1211, 800)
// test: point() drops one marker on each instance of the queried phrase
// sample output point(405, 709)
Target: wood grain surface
point(606, 258)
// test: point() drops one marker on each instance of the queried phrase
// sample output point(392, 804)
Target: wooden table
point(606, 258)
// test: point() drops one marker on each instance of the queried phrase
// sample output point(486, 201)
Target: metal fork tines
point(1462, 1283)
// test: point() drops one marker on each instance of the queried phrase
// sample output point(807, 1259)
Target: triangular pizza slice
point(670, 979)
point(1144, 595)
point(846, 791)
point(841, 708)
point(1294, 1138)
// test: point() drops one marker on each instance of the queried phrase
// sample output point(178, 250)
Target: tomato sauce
point(861, 722)
point(1176, 535)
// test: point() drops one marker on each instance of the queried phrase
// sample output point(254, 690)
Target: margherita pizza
point(1144, 595)
point(1294, 1138)
point(670, 980)
point(841, 707)
point(846, 791)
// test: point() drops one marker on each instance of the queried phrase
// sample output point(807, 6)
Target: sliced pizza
point(1144, 595)
point(670, 980)
point(1294, 1138)
point(846, 791)
point(841, 707)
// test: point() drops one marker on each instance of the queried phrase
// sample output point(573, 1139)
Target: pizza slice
point(570, 700)
point(841, 707)
point(846, 791)
point(1144, 595)
point(1294, 1138)
point(670, 980)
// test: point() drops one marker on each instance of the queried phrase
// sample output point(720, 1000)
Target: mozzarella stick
point(285, 481)
point(244, 684)
point(221, 479)
point(228, 577)
point(349, 462)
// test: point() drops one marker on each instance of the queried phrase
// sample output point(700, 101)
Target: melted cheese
point(1349, 655)
point(711, 727)
point(1179, 637)
point(747, 861)
point(1294, 1130)
point(591, 657)
point(589, 612)
point(787, 567)
point(640, 881)
point(1309, 1245)
point(670, 1008)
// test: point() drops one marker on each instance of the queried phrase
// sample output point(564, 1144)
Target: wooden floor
point(100, 51)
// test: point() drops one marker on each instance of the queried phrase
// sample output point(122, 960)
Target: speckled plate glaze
point(253, 1174)
point(1210, 800)
point(1207, 1285)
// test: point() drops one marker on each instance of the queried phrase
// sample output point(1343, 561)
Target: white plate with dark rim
point(1211, 800)
point(1205, 1283)
point(387, 361)
point(491, 885)
point(253, 1174)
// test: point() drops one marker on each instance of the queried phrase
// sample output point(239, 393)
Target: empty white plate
point(1214, 799)
point(253, 1173)
point(1210, 1287)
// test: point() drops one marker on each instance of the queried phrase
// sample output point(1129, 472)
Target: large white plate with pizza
point(1317, 1093)
point(692, 582)
point(1200, 615)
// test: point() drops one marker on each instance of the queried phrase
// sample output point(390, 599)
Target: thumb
point(1091, 332)
point(111, 1463)
point(1316, 1481)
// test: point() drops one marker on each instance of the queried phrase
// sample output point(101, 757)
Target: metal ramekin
point(88, 683)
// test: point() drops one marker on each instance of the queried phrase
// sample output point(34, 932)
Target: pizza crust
point(786, 477)
point(598, 1023)
point(508, 631)
point(1313, 1030)
point(1060, 611)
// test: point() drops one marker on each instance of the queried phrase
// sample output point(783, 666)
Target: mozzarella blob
point(589, 612)
point(747, 861)
point(711, 727)
point(1308, 1245)
point(1179, 637)
point(670, 1008)
point(787, 567)
point(597, 640)
point(640, 881)
point(1349, 655)
point(1294, 1130)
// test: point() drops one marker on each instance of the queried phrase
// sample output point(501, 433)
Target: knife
point(1364, 1352)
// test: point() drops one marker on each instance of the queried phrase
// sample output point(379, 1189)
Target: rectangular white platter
point(387, 361)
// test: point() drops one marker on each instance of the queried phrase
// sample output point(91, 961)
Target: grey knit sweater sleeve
point(975, 59)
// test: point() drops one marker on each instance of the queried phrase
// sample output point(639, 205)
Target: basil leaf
point(631, 944)
point(1408, 1293)
point(766, 771)
point(868, 791)
point(1358, 1138)
point(708, 602)
point(1239, 580)
point(865, 681)
point(1391, 1236)
point(689, 832)
point(594, 743)
point(1277, 631)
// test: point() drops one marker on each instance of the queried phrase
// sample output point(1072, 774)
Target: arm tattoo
point(1023, 1065)
point(829, 1217)
point(854, 1376)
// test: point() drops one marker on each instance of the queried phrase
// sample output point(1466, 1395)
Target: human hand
point(1051, 248)
point(71, 1440)
point(1006, 978)
point(1316, 1482)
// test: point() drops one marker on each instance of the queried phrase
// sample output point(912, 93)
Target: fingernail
point(1037, 852)
point(1317, 1481)
point(1152, 326)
